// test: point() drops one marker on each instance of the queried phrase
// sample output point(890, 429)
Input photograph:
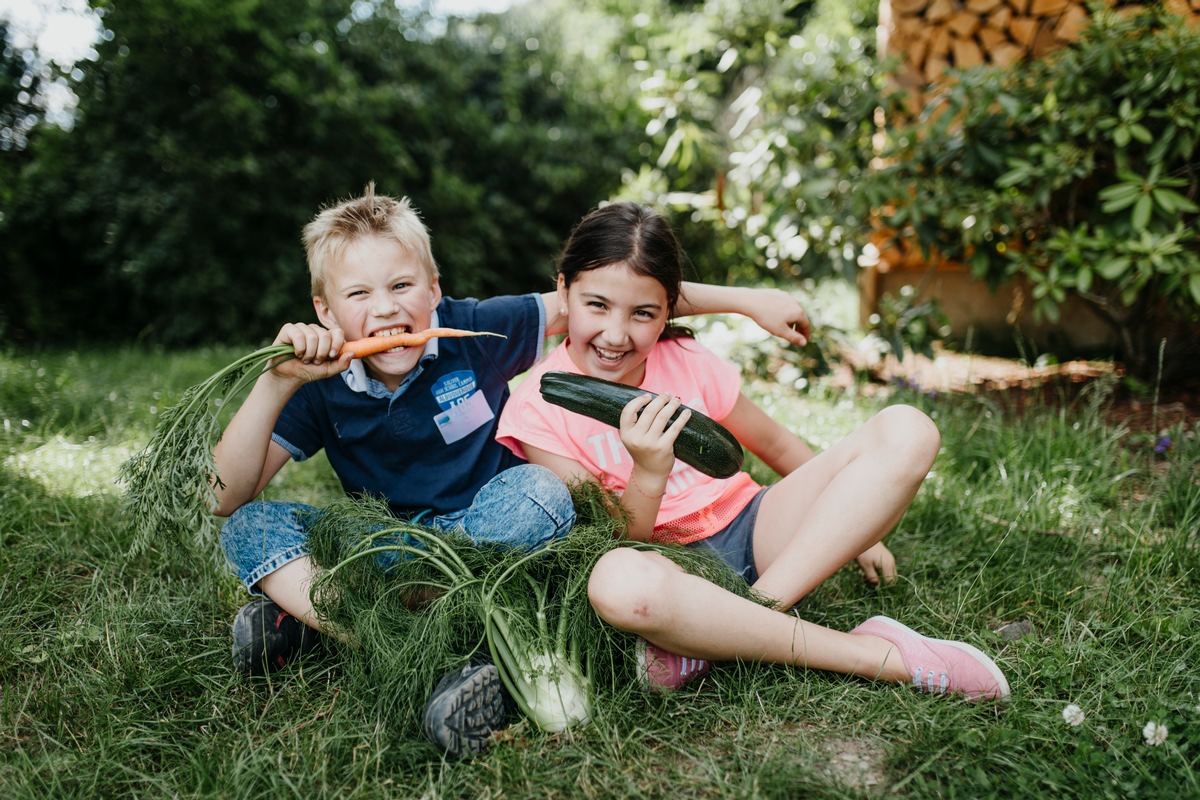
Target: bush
point(1076, 171)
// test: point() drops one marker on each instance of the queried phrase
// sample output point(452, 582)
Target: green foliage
point(1076, 171)
point(19, 83)
point(207, 135)
point(761, 118)
point(19, 86)
point(905, 325)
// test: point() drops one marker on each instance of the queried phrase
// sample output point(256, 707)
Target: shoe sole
point(974, 652)
point(462, 718)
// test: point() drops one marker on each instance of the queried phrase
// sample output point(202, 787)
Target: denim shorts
point(734, 544)
point(525, 507)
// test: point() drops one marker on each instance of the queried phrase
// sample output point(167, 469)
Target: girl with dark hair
point(619, 277)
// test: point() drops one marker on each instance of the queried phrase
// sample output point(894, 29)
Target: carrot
point(378, 344)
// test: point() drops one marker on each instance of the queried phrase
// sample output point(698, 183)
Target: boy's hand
point(778, 313)
point(878, 564)
point(647, 435)
point(316, 352)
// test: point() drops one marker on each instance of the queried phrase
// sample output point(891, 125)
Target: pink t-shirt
point(695, 505)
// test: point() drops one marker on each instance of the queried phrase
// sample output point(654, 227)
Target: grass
point(116, 678)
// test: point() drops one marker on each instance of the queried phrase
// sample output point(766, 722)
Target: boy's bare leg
point(290, 587)
point(271, 631)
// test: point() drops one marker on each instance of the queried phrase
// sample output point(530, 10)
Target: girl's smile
point(614, 318)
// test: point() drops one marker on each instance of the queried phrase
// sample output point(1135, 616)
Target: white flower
point(1155, 733)
point(1073, 715)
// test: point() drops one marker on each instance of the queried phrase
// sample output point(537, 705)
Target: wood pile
point(932, 36)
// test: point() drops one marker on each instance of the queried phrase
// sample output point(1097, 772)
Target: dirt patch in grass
point(855, 763)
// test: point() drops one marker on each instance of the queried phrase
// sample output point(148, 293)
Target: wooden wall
point(932, 36)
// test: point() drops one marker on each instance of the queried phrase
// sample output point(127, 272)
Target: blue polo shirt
point(431, 444)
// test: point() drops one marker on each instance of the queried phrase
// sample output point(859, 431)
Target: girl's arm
point(775, 311)
point(779, 448)
point(649, 435)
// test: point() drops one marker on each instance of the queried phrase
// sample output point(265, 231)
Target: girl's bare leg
point(647, 594)
point(842, 502)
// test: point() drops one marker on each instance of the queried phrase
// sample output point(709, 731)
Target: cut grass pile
point(116, 675)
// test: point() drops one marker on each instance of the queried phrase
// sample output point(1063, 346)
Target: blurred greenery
point(207, 134)
point(1076, 172)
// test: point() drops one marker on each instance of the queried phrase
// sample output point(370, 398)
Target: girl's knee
point(908, 432)
point(626, 589)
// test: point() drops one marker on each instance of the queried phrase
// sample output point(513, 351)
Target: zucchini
point(703, 443)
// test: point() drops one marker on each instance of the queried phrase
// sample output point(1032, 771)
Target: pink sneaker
point(663, 671)
point(940, 666)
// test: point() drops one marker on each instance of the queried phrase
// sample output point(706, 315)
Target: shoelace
point(928, 685)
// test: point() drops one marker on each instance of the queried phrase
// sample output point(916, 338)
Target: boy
point(413, 425)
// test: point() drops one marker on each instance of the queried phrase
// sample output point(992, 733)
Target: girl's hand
point(316, 352)
point(878, 564)
point(646, 434)
point(778, 313)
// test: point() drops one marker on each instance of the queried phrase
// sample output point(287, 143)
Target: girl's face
point(614, 318)
point(377, 288)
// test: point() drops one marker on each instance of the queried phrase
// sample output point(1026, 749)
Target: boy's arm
point(245, 457)
point(775, 311)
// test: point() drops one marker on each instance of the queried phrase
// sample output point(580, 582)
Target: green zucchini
point(703, 443)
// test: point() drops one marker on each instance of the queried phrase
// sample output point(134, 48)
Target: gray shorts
point(734, 544)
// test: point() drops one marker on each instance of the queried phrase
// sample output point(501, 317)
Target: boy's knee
point(524, 506)
point(262, 536)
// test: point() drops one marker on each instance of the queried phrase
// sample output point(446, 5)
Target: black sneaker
point(265, 638)
point(465, 708)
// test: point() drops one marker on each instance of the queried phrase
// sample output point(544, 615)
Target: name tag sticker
point(460, 420)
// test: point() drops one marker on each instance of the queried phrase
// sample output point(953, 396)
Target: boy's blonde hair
point(336, 227)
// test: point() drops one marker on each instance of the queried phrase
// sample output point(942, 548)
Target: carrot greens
point(170, 485)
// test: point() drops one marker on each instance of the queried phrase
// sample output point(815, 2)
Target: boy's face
point(377, 288)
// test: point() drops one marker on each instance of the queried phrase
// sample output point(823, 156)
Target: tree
point(761, 116)
point(206, 137)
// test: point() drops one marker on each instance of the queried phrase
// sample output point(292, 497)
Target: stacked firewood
point(932, 36)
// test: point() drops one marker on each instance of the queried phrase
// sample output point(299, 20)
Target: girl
point(619, 278)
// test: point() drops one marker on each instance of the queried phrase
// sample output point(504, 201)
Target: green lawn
point(117, 679)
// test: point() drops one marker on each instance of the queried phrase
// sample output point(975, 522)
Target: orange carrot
point(377, 344)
